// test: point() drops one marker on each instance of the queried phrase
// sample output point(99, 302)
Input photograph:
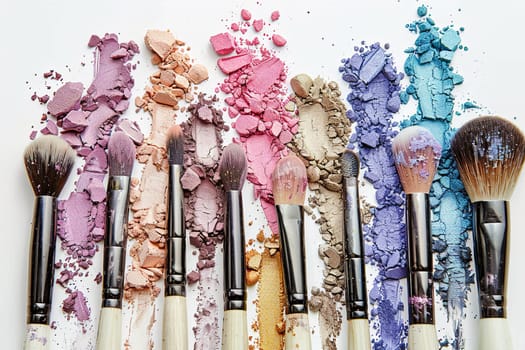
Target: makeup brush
point(289, 190)
point(356, 293)
point(48, 161)
point(175, 327)
point(490, 152)
point(416, 155)
point(121, 155)
point(232, 169)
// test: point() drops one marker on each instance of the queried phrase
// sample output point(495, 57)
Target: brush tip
point(416, 156)
point(489, 152)
point(121, 154)
point(232, 167)
point(349, 164)
point(48, 161)
point(175, 145)
point(289, 181)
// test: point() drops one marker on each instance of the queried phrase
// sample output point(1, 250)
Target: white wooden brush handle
point(37, 337)
point(358, 334)
point(422, 337)
point(109, 335)
point(494, 334)
point(297, 335)
point(235, 330)
point(175, 327)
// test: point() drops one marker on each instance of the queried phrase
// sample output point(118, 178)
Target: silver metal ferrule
point(356, 295)
point(420, 266)
point(491, 235)
point(290, 218)
point(115, 240)
point(175, 282)
point(234, 255)
point(42, 259)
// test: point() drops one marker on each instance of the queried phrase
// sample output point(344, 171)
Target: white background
point(43, 35)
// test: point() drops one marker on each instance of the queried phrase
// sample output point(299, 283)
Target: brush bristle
point(121, 154)
point(48, 162)
point(489, 152)
point(175, 145)
point(416, 155)
point(289, 181)
point(232, 167)
point(349, 164)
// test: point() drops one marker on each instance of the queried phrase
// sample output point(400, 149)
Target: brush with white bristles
point(490, 152)
point(416, 155)
point(48, 161)
point(232, 169)
point(175, 325)
point(121, 156)
point(289, 183)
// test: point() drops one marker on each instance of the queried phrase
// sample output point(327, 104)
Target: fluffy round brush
point(417, 155)
point(490, 152)
point(289, 190)
point(48, 161)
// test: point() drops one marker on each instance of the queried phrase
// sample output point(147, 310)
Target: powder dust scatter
point(323, 135)
point(204, 212)
point(173, 83)
point(432, 80)
point(85, 121)
point(330, 319)
point(374, 99)
point(257, 100)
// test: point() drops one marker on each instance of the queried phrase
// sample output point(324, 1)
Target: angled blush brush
point(175, 327)
point(289, 190)
point(232, 169)
point(121, 155)
point(416, 155)
point(48, 161)
point(356, 293)
point(490, 152)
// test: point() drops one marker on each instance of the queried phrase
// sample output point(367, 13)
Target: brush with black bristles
point(232, 169)
point(356, 293)
point(121, 155)
point(416, 156)
point(175, 326)
point(289, 183)
point(48, 161)
point(490, 152)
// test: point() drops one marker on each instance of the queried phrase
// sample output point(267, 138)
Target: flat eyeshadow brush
point(356, 292)
point(289, 183)
point(416, 155)
point(48, 161)
point(490, 152)
point(121, 155)
point(175, 326)
point(232, 169)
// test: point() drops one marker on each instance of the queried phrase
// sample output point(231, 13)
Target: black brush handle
point(420, 266)
point(291, 229)
point(176, 242)
point(42, 260)
point(491, 231)
point(356, 294)
point(234, 254)
point(115, 241)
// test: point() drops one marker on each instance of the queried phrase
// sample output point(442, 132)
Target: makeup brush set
point(489, 152)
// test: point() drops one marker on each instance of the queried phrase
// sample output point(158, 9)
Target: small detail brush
point(356, 293)
point(175, 327)
point(490, 152)
point(232, 169)
point(416, 155)
point(48, 161)
point(289, 190)
point(121, 155)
